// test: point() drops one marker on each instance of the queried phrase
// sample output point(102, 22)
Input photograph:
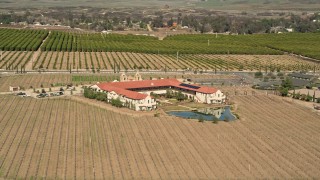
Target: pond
point(208, 114)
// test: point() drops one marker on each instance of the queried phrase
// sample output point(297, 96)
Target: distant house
point(289, 29)
point(301, 80)
point(14, 89)
point(302, 76)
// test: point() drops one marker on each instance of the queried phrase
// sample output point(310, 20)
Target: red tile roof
point(125, 88)
point(130, 94)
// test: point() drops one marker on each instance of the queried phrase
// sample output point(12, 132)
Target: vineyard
point(21, 39)
point(39, 49)
point(60, 41)
point(15, 60)
point(68, 139)
point(299, 43)
point(264, 44)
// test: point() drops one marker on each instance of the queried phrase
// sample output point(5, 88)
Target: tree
point(180, 96)
point(170, 22)
point(169, 94)
point(285, 87)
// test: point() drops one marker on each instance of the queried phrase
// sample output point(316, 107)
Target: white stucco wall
point(147, 103)
point(217, 97)
point(160, 91)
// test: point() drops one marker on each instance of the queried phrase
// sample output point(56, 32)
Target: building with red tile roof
point(138, 93)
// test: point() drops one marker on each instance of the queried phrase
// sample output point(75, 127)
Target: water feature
point(208, 114)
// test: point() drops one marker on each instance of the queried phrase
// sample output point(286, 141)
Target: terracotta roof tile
point(125, 88)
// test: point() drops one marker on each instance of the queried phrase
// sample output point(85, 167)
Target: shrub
point(308, 97)
point(258, 74)
point(88, 93)
point(296, 96)
point(201, 119)
point(156, 115)
point(237, 115)
point(43, 91)
point(226, 119)
point(101, 97)
point(215, 121)
point(280, 74)
point(116, 103)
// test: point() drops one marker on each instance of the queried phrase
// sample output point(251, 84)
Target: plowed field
point(68, 139)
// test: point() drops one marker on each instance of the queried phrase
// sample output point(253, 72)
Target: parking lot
point(52, 92)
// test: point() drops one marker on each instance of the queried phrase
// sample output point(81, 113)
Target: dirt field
point(66, 139)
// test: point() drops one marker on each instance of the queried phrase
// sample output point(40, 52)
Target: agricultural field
point(52, 60)
point(66, 139)
point(81, 42)
point(21, 39)
point(127, 60)
point(297, 43)
point(258, 44)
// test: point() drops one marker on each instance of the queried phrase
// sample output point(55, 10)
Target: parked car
point(59, 93)
point(22, 94)
point(42, 95)
point(53, 94)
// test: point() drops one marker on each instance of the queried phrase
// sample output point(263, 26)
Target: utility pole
point(208, 42)
point(216, 35)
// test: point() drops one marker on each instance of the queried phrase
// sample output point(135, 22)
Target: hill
point(251, 5)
